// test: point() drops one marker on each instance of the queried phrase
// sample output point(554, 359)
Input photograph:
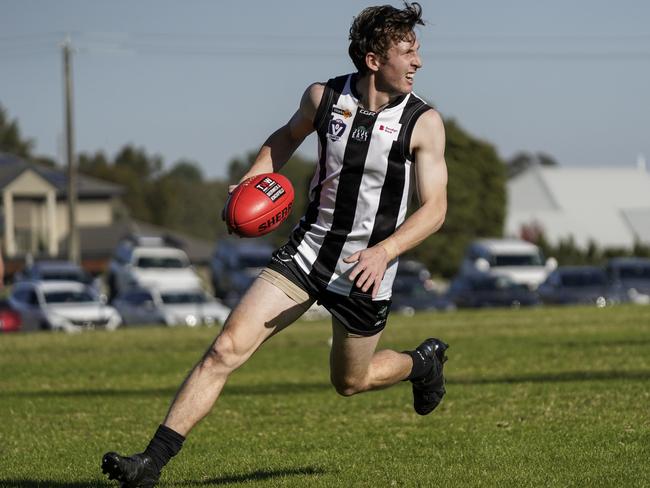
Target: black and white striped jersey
point(362, 184)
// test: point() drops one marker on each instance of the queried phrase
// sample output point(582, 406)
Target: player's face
point(397, 72)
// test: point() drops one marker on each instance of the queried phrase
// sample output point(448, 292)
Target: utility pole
point(73, 235)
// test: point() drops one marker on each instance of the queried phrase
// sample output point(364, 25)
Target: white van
point(143, 262)
point(521, 261)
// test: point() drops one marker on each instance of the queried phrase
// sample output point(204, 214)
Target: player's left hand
point(370, 268)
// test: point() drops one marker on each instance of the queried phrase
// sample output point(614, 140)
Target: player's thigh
point(350, 355)
point(263, 310)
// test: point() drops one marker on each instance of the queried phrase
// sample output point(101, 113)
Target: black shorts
point(358, 313)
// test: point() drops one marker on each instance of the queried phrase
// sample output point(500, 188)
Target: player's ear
point(373, 61)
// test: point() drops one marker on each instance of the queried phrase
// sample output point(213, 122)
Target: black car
point(629, 279)
point(411, 295)
point(472, 291)
point(413, 290)
point(576, 285)
point(54, 270)
point(234, 267)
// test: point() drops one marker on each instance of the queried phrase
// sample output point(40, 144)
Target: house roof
point(11, 167)
point(610, 206)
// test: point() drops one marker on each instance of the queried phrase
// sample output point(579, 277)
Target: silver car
point(170, 306)
point(69, 306)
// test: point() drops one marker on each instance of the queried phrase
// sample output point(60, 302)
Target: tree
point(131, 168)
point(521, 161)
point(238, 166)
point(476, 195)
point(11, 141)
point(138, 162)
point(187, 171)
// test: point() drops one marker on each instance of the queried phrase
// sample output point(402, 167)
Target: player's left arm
point(428, 148)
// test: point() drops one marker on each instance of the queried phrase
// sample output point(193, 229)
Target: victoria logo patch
point(336, 129)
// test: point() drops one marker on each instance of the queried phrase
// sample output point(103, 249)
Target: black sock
point(164, 445)
point(420, 365)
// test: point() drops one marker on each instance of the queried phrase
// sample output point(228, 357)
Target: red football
point(259, 205)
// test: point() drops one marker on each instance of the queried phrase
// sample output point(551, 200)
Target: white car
point(69, 306)
point(170, 306)
point(146, 262)
point(520, 261)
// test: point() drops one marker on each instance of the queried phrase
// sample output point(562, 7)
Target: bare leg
point(355, 367)
point(263, 311)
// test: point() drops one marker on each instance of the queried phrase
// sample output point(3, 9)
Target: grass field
point(546, 397)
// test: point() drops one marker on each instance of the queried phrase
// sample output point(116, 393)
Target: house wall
point(28, 207)
point(89, 213)
point(36, 221)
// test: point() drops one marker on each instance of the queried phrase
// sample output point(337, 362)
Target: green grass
point(545, 397)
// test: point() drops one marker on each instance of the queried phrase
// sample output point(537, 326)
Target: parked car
point(520, 261)
point(413, 290)
point(59, 270)
point(171, 306)
point(471, 291)
point(69, 306)
point(9, 318)
point(629, 279)
point(576, 285)
point(235, 265)
point(142, 262)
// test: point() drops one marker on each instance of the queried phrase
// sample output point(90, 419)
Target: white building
point(34, 210)
point(34, 218)
point(609, 206)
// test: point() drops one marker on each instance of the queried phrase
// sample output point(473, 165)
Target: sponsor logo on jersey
point(270, 188)
point(342, 111)
point(360, 134)
point(363, 111)
point(336, 129)
point(388, 130)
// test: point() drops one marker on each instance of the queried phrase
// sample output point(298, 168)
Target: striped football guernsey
point(361, 187)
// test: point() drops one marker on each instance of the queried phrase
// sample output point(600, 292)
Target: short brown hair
point(375, 30)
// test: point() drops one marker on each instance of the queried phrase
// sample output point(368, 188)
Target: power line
point(212, 38)
point(207, 45)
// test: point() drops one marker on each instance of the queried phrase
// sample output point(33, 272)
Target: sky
point(208, 81)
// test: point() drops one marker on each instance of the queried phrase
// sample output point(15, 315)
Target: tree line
point(181, 198)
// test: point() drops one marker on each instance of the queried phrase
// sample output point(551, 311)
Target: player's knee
point(222, 354)
point(348, 385)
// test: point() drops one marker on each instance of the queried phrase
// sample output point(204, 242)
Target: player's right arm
point(281, 145)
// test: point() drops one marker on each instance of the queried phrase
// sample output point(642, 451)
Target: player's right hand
point(231, 188)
